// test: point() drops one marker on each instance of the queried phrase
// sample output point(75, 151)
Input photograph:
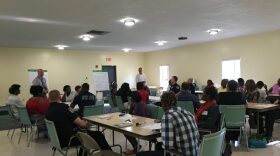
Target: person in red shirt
point(142, 92)
point(38, 104)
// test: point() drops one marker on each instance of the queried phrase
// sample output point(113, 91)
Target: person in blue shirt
point(185, 95)
point(85, 98)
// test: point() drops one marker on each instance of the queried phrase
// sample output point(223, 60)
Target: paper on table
point(127, 117)
point(104, 116)
point(153, 126)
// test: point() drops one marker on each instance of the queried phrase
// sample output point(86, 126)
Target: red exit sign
point(108, 59)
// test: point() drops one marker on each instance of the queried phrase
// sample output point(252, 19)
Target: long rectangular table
point(138, 132)
point(258, 108)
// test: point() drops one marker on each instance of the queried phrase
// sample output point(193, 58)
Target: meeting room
point(139, 78)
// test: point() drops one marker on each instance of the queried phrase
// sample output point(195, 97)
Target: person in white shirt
point(40, 80)
point(141, 76)
point(263, 92)
point(13, 100)
point(68, 94)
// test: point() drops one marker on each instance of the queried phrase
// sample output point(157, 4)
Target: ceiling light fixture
point(126, 50)
point(213, 31)
point(61, 47)
point(160, 43)
point(129, 21)
point(86, 37)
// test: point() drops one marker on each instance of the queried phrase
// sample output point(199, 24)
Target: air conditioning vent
point(97, 32)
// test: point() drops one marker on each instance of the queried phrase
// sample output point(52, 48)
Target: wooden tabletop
point(262, 107)
point(135, 131)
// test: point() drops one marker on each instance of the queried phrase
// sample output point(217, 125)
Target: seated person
point(263, 92)
point(251, 93)
point(140, 109)
point(178, 131)
point(275, 89)
point(85, 98)
point(67, 122)
point(113, 91)
point(143, 93)
point(232, 97)
point(174, 87)
point(210, 84)
point(124, 92)
point(223, 87)
point(192, 85)
point(270, 118)
point(207, 116)
point(241, 86)
point(38, 104)
point(13, 100)
point(146, 87)
point(185, 95)
point(68, 95)
point(77, 89)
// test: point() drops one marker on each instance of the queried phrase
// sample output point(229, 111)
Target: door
point(112, 73)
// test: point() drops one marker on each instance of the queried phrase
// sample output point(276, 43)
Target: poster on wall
point(32, 74)
point(100, 81)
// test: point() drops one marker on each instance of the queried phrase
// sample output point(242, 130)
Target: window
point(164, 77)
point(231, 69)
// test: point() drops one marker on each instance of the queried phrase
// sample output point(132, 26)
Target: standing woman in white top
point(141, 76)
point(13, 100)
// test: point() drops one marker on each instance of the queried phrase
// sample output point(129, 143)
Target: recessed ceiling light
point(126, 50)
point(160, 43)
point(86, 37)
point(129, 21)
point(61, 47)
point(213, 31)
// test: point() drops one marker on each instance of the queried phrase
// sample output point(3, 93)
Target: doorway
point(112, 73)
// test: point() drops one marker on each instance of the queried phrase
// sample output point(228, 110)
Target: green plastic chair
point(9, 109)
point(222, 121)
point(120, 104)
point(153, 91)
point(55, 141)
point(113, 107)
point(153, 110)
point(26, 122)
point(235, 118)
point(93, 110)
point(92, 148)
point(160, 113)
point(99, 102)
point(186, 105)
point(212, 144)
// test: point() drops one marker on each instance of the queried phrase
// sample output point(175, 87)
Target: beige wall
point(64, 67)
point(259, 54)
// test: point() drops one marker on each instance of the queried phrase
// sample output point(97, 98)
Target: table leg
point(150, 146)
point(113, 135)
point(138, 144)
point(258, 122)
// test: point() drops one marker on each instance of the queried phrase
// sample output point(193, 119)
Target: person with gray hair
point(40, 80)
